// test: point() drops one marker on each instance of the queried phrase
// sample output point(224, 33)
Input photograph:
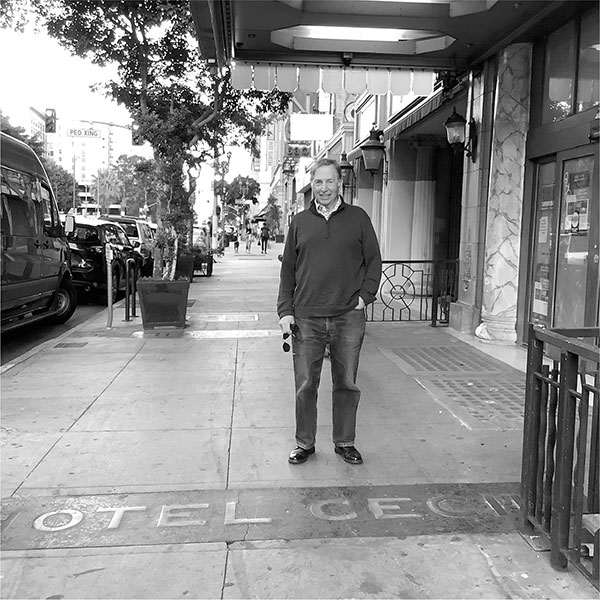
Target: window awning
point(310, 78)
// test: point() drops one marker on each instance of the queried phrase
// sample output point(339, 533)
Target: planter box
point(203, 264)
point(279, 238)
point(163, 303)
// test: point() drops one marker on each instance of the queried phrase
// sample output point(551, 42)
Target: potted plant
point(163, 299)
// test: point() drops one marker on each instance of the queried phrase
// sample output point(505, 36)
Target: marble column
point(505, 198)
point(424, 198)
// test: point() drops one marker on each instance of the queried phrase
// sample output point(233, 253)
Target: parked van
point(36, 260)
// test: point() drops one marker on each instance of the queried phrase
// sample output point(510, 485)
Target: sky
point(44, 75)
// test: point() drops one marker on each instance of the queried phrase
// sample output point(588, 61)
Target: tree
point(237, 198)
point(241, 189)
point(273, 215)
point(106, 189)
point(62, 183)
point(138, 183)
point(186, 109)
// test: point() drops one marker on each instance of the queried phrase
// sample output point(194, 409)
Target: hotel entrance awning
point(366, 38)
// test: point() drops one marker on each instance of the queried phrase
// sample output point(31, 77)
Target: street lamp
point(373, 150)
point(456, 126)
point(346, 168)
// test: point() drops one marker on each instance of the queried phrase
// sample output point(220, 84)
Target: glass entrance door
point(564, 286)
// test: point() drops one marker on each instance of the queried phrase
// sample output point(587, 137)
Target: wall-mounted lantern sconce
point(373, 150)
point(456, 126)
point(347, 169)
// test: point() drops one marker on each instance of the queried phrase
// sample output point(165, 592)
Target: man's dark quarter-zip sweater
point(328, 264)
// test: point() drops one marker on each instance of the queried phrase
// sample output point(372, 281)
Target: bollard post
point(109, 282)
point(134, 289)
point(130, 277)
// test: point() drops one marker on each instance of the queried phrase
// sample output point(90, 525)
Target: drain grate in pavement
point(71, 345)
point(227, 317)
point(447, 358)
point(493, 402)
point(163, 334)
point(191, 303)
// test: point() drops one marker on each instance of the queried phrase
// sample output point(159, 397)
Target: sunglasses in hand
point(295, 331)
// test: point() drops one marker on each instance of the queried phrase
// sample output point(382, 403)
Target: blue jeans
point(345, 334)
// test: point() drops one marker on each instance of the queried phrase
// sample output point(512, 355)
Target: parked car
point(88, 241)
point(142, 237)
point(36, 269)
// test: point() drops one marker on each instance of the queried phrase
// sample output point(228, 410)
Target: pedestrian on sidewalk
point(330, 271)
point(248, 239)
point(265, 234)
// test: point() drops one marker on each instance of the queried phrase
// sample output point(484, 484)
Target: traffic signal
point(136, 138)
point(50, 120)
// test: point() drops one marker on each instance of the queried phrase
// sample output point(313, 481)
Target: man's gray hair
point(326, 162)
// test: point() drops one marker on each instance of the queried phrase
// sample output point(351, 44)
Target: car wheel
point(65, 302)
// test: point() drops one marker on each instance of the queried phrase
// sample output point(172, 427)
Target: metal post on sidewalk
point(130, 288)
point(109, 285)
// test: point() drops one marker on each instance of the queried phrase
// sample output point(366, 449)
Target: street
point(19, 341)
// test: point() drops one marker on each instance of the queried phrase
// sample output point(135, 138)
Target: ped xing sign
point(80, 132)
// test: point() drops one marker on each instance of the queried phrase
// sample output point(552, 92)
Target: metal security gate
point(415, 290)
point(561, 447)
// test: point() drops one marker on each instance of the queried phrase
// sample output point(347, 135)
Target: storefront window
point(588, 63)
point(559, 72)
point(543, 267)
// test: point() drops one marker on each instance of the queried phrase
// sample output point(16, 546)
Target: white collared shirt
point(327, 212)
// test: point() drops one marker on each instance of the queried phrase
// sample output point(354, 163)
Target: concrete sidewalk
point(154, 464)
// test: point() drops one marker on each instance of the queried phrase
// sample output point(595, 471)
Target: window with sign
point(573, 242)
point(563, 288)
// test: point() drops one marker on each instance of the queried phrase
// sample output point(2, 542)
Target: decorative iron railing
point(559, 478)
point(415, 290)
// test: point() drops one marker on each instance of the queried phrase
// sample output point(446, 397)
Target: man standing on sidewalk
point(330, 271)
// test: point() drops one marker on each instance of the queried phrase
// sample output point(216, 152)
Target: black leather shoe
point(350, 454)
point(299, 455)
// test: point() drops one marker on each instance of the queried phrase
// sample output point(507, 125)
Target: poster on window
point(576, 195)
point(541, 291)
point(543, 231)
